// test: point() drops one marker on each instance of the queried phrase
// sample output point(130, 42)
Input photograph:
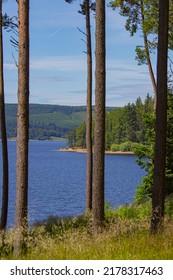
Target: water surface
point(57, 180)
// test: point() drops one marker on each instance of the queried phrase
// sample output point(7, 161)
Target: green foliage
point(126, 146)
point(133, 211)
point(169, 206)
point(115, 147)
point(145, 155)
point(141, 55)
point(46, 121)
point(80, 136)
point(124, 236)
point(54, 225)
point(134, 146)
point(9, 23)
point(124, 127)
point(140, 16)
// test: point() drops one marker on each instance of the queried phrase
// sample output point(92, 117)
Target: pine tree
point(161, 120)
point(99, 129)
point(4, 209)
point(21, 211)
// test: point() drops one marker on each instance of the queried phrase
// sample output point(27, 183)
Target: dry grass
point(72, 239)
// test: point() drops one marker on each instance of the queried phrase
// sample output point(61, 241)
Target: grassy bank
point(125, 235)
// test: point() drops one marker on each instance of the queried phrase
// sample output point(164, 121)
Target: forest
point(47, 122)
point(122, 125)
point(145, 127)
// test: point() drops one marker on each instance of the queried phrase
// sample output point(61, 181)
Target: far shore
point(80, 150)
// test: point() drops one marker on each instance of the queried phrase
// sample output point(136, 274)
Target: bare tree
point(161, 119)
point(21, 210)
point(4, 208)
point(99, 129)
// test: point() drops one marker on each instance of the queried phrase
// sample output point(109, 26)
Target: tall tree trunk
point(4, 208)
point(22, 130)
point(150, 68)
point(99, 129)
point(89, 172)
point(161, 119)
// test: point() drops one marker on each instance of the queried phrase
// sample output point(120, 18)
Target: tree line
point(126, 124)
point(46, 121)
point(152, 17)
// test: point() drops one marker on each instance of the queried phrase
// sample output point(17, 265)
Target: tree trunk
point(22, 130)
point(89, 172)
point(4, 211)
point(161, 120)
point(99, 129)
point(150, 69)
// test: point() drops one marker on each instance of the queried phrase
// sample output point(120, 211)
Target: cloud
point(128, 87)
point(120, 69)
point(52, 79)
point(59, 63)
point(52, 63)
point(59, 100)
point(10, 66)
point(120, 95)
point(121, 72)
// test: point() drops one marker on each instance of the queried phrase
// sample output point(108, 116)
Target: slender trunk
point(161, 120)
point(4, 211)
point(22, 130)
point(99, 129)
point(150, 69)
point(89, 172)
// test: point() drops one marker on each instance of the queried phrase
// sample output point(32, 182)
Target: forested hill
point(125, 127)
point(47, 121)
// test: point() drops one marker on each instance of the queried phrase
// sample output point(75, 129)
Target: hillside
point(47, 121)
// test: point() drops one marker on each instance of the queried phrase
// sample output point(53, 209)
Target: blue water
point(57, 180)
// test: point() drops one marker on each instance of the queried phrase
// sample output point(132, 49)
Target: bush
point(134, 146)
point(126, 146)
point(115, 147)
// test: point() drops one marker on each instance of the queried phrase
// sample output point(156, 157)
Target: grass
point(124, 236)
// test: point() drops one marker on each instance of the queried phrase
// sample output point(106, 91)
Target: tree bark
point(150, 68)
point(89, 167)
point(161, 120)
point(99, 129)
point(4, 209)
point(21, 210)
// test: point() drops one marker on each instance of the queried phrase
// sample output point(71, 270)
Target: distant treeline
point(124, 127)
point(47, 121)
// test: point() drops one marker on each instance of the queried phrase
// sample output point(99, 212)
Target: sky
point(58, 58)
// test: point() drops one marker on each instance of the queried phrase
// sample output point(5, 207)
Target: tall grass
point(126, 235)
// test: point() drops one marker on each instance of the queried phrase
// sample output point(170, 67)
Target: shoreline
point(81, 150)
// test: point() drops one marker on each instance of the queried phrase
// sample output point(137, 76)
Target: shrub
point(126, 146)
point(115, 147)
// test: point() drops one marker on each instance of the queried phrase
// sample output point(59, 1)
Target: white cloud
point(52, 63)
point(10, 66)
point(121, 72)
point(59, 63)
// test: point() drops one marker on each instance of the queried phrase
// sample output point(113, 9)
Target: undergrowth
point(125, 235)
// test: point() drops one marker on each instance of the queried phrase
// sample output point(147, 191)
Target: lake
point(57, 180)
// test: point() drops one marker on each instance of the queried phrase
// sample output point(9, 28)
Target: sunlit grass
point(126, 235)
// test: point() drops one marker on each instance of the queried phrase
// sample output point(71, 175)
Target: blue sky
point(58, 61)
